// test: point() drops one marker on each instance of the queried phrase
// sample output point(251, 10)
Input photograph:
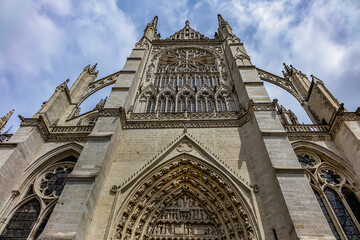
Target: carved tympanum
point(184, 199)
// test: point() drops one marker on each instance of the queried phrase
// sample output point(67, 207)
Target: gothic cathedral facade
point(188, 145)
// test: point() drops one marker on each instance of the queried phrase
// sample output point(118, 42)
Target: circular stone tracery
point(51, 182)
point(187, 60)
point(142, 216)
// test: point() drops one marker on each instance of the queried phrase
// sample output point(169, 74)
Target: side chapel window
point(336, 193)
point(29, 219)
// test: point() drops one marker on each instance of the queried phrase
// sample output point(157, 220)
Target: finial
point(221, 20)
point(93, 68)
point(5, 119)
point(288, 69)
point(187, 23)
point(154, 21)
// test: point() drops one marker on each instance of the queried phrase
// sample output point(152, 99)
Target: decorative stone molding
point(339, 119)
point(202, 120)
point(314, 137)
point(184, 146)
point(147, 212)
point(263, 106)
point(58, 133)
point(313, 132)
point(187, 33)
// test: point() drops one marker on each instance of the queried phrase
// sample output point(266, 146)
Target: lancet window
point(336, 193)
point(186, 79)
point(29, 217)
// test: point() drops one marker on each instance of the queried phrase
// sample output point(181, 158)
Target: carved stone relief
point(184, 146)
point(185, 198)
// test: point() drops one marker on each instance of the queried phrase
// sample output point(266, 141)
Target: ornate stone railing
point(57, 133)
point(308, 132)
point(183, 115)
point(69, 129)
point(307, 128)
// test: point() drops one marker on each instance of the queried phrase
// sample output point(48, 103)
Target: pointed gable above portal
point(187, 33)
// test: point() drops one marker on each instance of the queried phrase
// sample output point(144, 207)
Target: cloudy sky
point(44, 42)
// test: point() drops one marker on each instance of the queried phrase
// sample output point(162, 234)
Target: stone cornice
point(181, 120)
point(58, 133)
point(320, 132)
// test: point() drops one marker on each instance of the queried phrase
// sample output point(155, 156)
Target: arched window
point(210, 104)
point(29, 220)
point(352, 201)
point(335, 191)
point(23, 221)
point(151, 105)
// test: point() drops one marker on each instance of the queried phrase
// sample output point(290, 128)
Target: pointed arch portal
point(185, 198)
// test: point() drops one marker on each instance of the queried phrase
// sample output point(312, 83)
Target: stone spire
point(5, 119)
point(225, 31)
point(151, 29)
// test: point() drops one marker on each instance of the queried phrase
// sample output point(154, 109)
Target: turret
point(150, 31)
point(80, 86)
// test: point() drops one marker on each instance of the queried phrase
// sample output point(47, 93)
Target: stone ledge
point(259, 83)
point(134, 58)
point(236, 44)
point(100, 135)
point(247, 67)
point(8, 145)
point(120, 88)
point(274, 133)
point(289, 170)
point(127, 72)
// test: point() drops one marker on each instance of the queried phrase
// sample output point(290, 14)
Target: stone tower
point(188, 145)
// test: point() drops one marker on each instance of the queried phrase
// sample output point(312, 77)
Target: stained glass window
point(306, 160)
point(23, 220)
point(352, 201)
point(330, 176)
point(342, 215)
point(326, 214)
point(43, 223)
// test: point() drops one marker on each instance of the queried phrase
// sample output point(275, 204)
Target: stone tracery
point(333, 188)
point(184, 199)
point(36, 206)
point(188, 79)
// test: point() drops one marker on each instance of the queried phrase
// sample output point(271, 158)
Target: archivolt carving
point(216, 210)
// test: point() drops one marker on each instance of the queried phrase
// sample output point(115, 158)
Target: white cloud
point(44, 42)
point(320, 38)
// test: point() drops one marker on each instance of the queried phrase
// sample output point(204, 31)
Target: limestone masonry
point(188, 145)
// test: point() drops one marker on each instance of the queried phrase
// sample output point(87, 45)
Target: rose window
point(187, 60)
